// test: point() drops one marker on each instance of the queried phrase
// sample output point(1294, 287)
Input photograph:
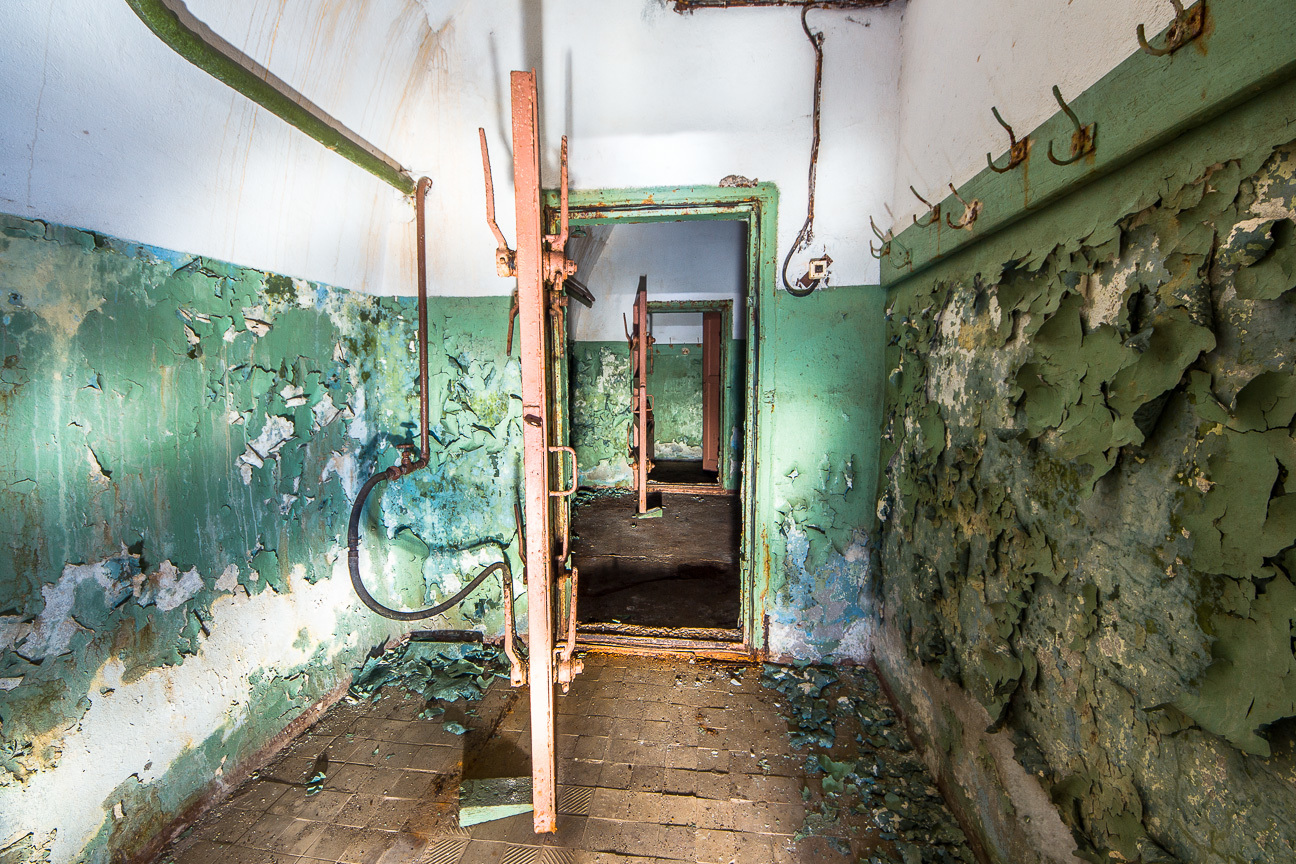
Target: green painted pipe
point(291, 107)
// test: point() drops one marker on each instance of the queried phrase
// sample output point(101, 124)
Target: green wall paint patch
point(675, 383)
point(182, 440)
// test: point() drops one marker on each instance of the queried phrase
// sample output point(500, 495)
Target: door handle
point(564, 493)
point(557, 266)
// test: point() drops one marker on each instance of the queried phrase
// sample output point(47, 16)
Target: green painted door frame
point(758, 207)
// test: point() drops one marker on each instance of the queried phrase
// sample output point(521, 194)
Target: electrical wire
point(807, 228)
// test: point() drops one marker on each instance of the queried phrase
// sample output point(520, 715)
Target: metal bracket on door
point(505, 258)
point(567, 667)
point(557, 266)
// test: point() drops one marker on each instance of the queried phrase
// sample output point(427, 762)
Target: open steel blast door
point(549, 466)
point(640, 434)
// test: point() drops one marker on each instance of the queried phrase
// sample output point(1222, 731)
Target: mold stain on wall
point(180, 443)
point(1087, 527)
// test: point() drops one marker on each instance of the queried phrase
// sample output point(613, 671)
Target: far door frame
point(757, 206)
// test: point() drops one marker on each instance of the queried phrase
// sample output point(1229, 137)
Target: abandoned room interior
point(550, 432)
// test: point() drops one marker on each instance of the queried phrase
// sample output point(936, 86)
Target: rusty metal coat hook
point(1186, 27)
point(877, 232)
point(933, 210)
point(885, 248)
point(1083, 141)
point(971, 210)
point(1017, 150)
point(908, 256)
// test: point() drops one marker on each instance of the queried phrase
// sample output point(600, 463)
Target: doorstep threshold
point(720, 643)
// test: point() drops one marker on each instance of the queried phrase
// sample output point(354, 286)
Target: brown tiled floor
point(659, 761)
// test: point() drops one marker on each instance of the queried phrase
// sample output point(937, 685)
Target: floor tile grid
point(387, 771)
point(659, 761)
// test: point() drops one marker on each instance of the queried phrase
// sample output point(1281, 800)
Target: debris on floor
point(314, 780)
point(859, 759)
point(436, 672)
point(494, 798)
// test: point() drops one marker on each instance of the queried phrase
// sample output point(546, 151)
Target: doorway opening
point(697, 397)
point(671, 571)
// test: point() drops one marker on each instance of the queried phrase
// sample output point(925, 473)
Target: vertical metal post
point(642, 347)
point(533, 320)
point(711, 376)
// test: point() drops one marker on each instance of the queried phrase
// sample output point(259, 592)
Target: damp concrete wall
point(180, 443)
point(1088, 550)
point(820, 410)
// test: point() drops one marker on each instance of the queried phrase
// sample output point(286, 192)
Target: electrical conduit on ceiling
point(171, 22)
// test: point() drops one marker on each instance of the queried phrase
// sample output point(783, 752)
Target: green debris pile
point(802, 685)
point(435, 672)
point(596, 494)
point(864, 763)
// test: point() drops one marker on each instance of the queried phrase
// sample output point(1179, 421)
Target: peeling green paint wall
point(600, 408)
point(1088, 541)
point(600, 412)
point(827, 399)
point(180, 441)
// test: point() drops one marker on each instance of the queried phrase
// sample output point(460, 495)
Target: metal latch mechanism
point(505, 258)
point(567, 666)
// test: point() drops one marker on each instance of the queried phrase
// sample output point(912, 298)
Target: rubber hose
point(353, 561)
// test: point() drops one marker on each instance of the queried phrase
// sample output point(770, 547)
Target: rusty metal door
point(711, 336)
point(548, 464)
point(641, 425)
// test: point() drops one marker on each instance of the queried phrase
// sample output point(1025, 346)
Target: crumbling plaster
point(1085, 522)
point(182, 440)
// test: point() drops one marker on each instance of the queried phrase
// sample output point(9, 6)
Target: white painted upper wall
point(960, 57)
point(102, 126)
point(682, 260)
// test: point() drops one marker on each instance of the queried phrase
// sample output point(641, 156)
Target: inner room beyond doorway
point(680, 567)
point(679, 570)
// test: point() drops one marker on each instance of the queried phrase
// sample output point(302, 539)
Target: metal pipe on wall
point(407, 465)
point(171, 22)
